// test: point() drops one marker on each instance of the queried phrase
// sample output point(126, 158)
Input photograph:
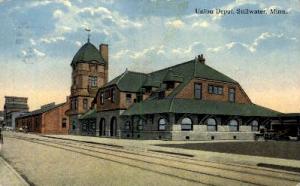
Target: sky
point(38, 40)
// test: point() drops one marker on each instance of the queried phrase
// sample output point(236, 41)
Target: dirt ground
point(274, 149)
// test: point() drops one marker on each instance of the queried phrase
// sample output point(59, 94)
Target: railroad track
point(186, 168)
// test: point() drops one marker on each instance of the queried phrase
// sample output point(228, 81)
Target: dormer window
point(128, 98)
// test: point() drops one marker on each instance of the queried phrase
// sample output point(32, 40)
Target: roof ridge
point(137, 72)
point(121, 76)
point(171, 67)
point(219, 72)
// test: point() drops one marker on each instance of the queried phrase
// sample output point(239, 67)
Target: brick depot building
point(49, 119)
point(188, 101)
point(14, 106)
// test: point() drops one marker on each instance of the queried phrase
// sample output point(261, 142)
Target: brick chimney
point(103, 48)
point(200, 59)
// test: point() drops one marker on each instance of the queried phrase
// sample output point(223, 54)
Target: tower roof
point(88, 53)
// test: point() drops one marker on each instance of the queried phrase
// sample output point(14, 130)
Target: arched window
point(186, 124)
point(162, 124)
point(233, 125)
point(140, 124)
point(127, 125)
point(211, 124)
point(254, 125)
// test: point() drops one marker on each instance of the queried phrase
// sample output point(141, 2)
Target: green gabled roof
point(129, 81)
point(184, 72)
point(194, 106)
point(88, 53)
point(91, 114)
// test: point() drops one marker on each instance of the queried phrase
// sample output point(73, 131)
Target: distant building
point(89, 72)
point(49, 119)
point(13, 107)
point(1, 118)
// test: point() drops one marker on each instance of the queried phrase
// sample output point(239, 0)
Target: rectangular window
point(74, 104)
point(107, 94)
point(220, 90)
point(102, 98)
point(215, 90)
point(85, 104)
point(128, 98)
point(231, 95)
point(113, 95)
point(93, 81)
point(212, 89)
point(198, 90)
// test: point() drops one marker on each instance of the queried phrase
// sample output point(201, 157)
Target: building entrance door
point(113, 127)
point(102, 127)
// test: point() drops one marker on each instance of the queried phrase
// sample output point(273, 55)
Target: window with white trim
point(186, 124)
point(254, 125)
point(233, 125)
point(162, 124)
point(211, 124)
point(140, 125)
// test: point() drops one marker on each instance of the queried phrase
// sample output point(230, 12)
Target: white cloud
point(264, 36)
point(175, 23)
point(78, 43)
point(67, 3)
point(186, 51)
point(251, 47)
point(52, 39)
point(32, 41)
point(40, 3)
point(38, 53)
point(30, 55)
point(137, 55)
point(57, 13)
point(202, 24)
point(63, 29)
point(94, 11)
